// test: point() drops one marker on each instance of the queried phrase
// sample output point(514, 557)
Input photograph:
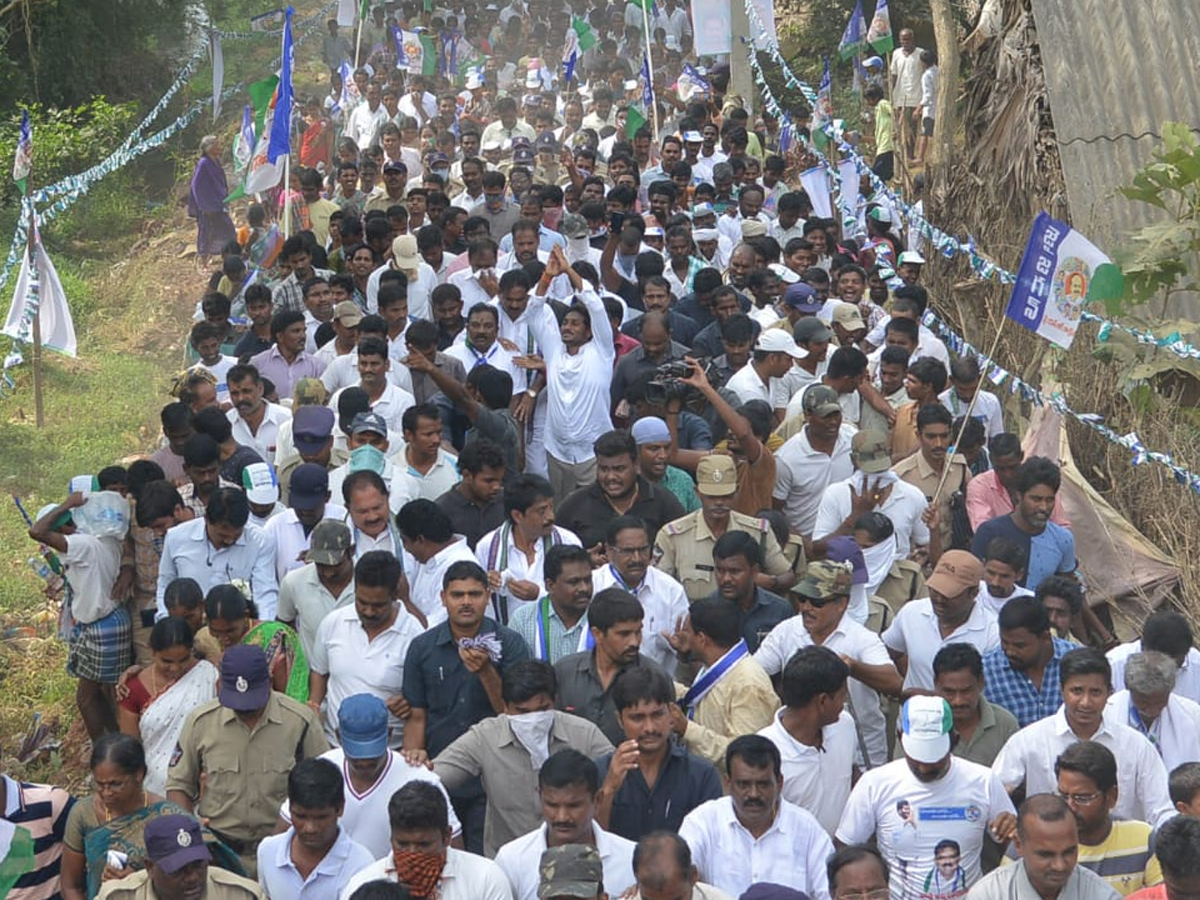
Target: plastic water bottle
point(40, 567)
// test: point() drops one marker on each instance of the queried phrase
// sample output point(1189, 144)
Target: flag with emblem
point(852, 37)
point(23, 162)
point(879, 34)
point(822, 114)
point(16, 854)
point(416, 51)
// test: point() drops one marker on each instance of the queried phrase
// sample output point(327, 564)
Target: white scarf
point(532, 731)
point(879, 559)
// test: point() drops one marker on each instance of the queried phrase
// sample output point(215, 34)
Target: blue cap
point(311, 428)
point(173, 842)
point(245, 678)
point(363, 726)
point(844, 548)
point(802, 297)
point(309, 486)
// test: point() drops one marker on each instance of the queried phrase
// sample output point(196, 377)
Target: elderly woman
point(206, 202)
point(1169, 721)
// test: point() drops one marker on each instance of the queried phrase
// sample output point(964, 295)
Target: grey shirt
point(1012, 883)
point(996, 726)
point(489, 750)
point(580, 692)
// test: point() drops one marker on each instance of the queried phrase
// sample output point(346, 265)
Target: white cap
point(925, 724)
point(631, 84)
point(693, 137)
point(260, 483)
point(777, 340)
point(911, 257)
point(786, 275)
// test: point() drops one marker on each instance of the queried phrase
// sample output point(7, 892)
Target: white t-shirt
point(92, 567)
point(910, 817)
point(521, 858)
point(994, 604)
point(365, 817)
point(904, 506)
point(747, 384)
point(802, 474)
point(915, 632)
point(987, 409)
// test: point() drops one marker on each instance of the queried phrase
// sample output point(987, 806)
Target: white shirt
point(904, 506)
point(363, 123)
point(442, 475)
point(365, 817)
point(419, 290)
point(465, 877)
point(391, 404)
point(906, 78)
point(987, 409)
point(425, 579)
point(355, 664)
point(187, 553)
point(496, 356)
point(850, 639)
point(262, 443)
point(802, 474)
point(915, 632)
point(1029, 757)
point(342, 372)
point(521, 859)
point(1176, 731)
point(1187, 679)
point(909, 817)
point(994, 604)
point(92, 567)
point(467, 281)
point(281, 880)
point(817, 779)
point(513, 564)
point(219, 370)
point(290, 540)
point(305, 601)
point(747, 384)
point(665, 603)
point(792, 852)
point(577, 384)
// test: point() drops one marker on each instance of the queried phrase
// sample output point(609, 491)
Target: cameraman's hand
point(697, 378)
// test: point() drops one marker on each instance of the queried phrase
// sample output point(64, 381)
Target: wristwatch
point(531, 393)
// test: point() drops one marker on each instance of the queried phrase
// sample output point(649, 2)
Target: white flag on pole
point(58, 331)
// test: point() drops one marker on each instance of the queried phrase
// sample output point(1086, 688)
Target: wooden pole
point(941, 144)
point(38, 404)
point(357, 43)
point(650, 68)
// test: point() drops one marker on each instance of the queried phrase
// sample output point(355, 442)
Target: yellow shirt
point(1124, 859)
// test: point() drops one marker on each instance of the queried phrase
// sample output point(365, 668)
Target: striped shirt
point(1124, 859)
point(42, 810)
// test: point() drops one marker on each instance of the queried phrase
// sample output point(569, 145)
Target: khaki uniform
point(381, 202)
point(917, 472)
point(683, 549)
point(283, 472)
point(222, 885)
point(244, 772)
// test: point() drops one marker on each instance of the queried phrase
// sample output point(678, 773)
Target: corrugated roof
point(1115, 72)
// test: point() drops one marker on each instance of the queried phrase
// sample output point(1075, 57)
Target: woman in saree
point(206, 202)
point(232, 619)
point(161, 695)
point(104, 837)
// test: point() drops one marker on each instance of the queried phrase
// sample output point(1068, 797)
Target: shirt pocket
point(223, 782)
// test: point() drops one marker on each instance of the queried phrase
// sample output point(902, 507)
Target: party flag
point(281, 124)
point(418, 52)
point(647, 84)
point(257, 174)
point(23, 162)
point(16, 854)
point(583, 31)
point(785, 134)
point(699, 82)
point(43, 295)
point(852, 37)
point(879, 35)
point(1060, 272)
point(218, 69)
point(823, 111)
point(570, 55)
point(243, 142)
point(634, 119)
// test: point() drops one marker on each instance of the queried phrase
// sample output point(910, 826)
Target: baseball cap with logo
point(848, 316)
point(820, 400)
point(716, 475)
point(572, 870)
point(522, 155)
point(245, 678)
point(802, 297)
point(956, 571)
point(925, 724)
point(369, 422)
point(786, 275)
point(910, 257)
point(311, 428)
point(842, 548)
point(363, 726)
point(824, 578)
point(394, 165)
point(328, 543)
point(776, 340)
point(870, 452)
point(173, 842)
point(308, 487)
point(258, 480)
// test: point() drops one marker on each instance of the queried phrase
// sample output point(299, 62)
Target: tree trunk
point(941, 146)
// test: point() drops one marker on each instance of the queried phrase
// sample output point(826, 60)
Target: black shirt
point(580, 692)
point(768, 611)
point(250, 345)
point(587, 511)
point(469, 520)
point(683, 329)
point(684, 782)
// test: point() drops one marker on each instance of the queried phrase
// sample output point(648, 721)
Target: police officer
point(684, 547)
point(243, 745)
point(177, 865)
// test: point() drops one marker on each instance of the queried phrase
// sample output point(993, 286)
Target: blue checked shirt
point(1013, 690)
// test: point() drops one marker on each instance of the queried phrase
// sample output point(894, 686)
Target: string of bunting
point(947, 244)
point(76, 186)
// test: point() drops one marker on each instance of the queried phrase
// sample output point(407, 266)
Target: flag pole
point(650, 67)
point(38, 405)
point(358, 42)
point(287, 203)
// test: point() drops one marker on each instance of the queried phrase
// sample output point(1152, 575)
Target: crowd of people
point(556, 508)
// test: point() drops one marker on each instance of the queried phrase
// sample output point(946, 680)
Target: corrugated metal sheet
point(1115, 71)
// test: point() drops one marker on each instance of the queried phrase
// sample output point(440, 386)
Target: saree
point(126, 834)
point(282, 647)
point(206, 204)
point(162, 721)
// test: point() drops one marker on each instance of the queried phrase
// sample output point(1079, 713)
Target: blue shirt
point(436, 681)
point(1005, 686)
point(1050, 553)
point(683, 783)
point(280, 878)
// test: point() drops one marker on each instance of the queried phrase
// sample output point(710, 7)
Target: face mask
point(419, 872)
point(367, 457)
point(577, 248)
point(532, 731)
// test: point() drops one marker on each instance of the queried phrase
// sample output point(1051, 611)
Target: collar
point(1062, 726)
point(330, 864)
point(270, 713)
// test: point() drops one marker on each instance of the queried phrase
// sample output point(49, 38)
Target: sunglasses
point(817, 603)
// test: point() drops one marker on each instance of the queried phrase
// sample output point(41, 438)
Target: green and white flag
point(419, 52)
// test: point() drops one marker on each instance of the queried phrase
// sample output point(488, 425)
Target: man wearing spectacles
point(822, 621)
point(1115, 849)
point(627, 547)
point(858, 872)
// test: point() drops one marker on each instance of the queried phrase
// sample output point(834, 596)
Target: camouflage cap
point(309, 392)
point(572, 870)
point(329, 542)
point(825, 579)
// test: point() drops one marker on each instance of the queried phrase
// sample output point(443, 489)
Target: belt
point(238, 847)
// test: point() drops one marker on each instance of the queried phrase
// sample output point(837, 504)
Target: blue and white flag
point(23, 162)
point(1052, 284)
point(785, 134)
point(854, 36)
point(243, 143)
point(281, 124)
point(647, 85)
point(699, 82)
